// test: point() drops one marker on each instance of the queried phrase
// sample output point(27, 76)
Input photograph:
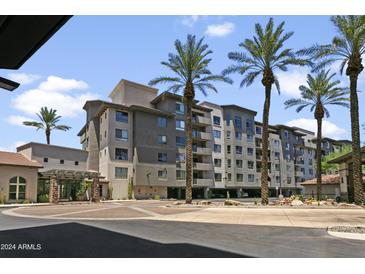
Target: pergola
point(54, 175)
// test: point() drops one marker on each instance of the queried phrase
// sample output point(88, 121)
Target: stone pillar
point(53, 190)
point(179, 193)
point(206, 190)
point(95, 195)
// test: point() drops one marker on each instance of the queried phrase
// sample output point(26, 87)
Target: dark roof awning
point(22, 35)
point(66, 174)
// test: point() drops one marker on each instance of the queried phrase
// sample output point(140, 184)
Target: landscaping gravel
point(348, 229)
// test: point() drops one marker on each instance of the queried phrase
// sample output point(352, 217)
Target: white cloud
point(17, 120)
point(328, 129)
point(13, 146)
point(189, 21)
point(51, 93)
point(291, 80)
point(220, 30)
point(24, 78)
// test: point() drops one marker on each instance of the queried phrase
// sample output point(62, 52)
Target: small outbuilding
point(330, 187)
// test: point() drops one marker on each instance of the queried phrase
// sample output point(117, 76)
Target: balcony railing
point(202, 135)
point(202, 182)
point(201, 120)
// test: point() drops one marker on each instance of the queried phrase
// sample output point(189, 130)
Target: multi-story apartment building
point(139, 138)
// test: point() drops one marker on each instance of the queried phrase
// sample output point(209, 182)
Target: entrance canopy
point(65, 174)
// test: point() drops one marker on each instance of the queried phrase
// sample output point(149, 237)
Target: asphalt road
point(156, 239)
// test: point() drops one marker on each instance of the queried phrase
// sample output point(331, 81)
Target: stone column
point(53, 190)
point(95, 195)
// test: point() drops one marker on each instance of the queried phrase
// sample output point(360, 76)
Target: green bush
point(156, 197)
point(2, 198)
point(43, 198)
point(130, 188)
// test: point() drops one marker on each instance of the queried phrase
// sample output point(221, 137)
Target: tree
point(264, 54)
point(49, 120)
point(320, 91)
point(190, 68)
point(347, 47)
point(333, 168)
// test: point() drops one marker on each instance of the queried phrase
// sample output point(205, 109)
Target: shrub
point(26, 201)
point(130, 188)
point(156, 197)
point(43, 198)
point(2, 198)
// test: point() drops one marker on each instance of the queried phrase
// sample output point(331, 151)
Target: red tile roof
point(16, 159)
point(326, 180)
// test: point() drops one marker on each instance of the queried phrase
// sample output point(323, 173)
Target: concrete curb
point(347, 235)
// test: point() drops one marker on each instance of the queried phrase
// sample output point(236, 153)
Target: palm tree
point(347, 47)
point(320, 91)
point(190, 68)
point(49, 120)
point(263, 55)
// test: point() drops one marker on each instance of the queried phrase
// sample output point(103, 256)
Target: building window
point(249, 138)
point(251, 178)
point(217, 148)
point(121, 154)
point(216, 120)
point(217, 134)
point(277, 179)
point(62, 162)
point(276, 143)
point(180, 174)
point(239, 163)
point(162, 174)
point(162, 122)
point(239, 177)
point(287, 146)
point(310, 162)
point(228, 134)
point(228, 119)
point(180, 157)
point(121, 134)
point(76, 163)
point(17, 188)
point(218, 177)
point(180, 141)
point(105, 133)
point(286, 135)
point(250, 151)
point(121, 172)
point(288, 180)
point(229, 175)
point(228, 149)
point(217, 162)
point(277, 155)
point(180, 124)
point(238, 135)
point(162, 139)
point(277, 167)
point(105, 115)
point(45, 160)
point(180, 108)
point(310, 171)
point(121, 116)
point(229, 163)
point(249, 125)
point(162, 157)
point(237, 122)
point(258, 130)
point(250, 164)
point(238, 149)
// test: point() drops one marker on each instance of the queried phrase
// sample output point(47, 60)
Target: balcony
point(198, 150)
point(202, 135)
point(201, 120)
point(202, 182)
point(299, 173)
point(202, 166)
point(299, 163)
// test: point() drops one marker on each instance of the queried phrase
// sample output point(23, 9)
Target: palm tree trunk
point(355, 132)
point(189, 149)
point(319, 158)
point(48, 136)
point(265, 146)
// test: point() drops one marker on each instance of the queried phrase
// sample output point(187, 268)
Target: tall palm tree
point(347, 47)
point(190, 68)
point(320, 91)
point(264, 54)
point(48, 122)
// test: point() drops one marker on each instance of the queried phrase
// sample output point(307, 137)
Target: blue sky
point(90, 54)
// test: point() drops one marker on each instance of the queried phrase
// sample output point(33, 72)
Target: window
point(238, 135)
point(162, 122)
point(17, 188)
point(239, 163)
point(180, 141)
point(180, 108)
point(180, 157)
point(229, 163)
point(62, 162)
point(105, 115)
point(217, 162)
point(180, 174)
point(310, 171)
point(277, 155)
point(121, 172)
point(250, 164)
point(251, 178)
point(286, 134)
point(249, 125)
point(218, 177)
point(121, 154)
point(287, 146)
point(217, 134)
point(249, 138)
point(310, 162)
point(76, 163)
point(258, 130)
point(121, 116)
point(228, 119)
point(228, 134)
point(276, 143)
point(105, 133)
point(162, 139)
point(121, 134)
point(162, 157)
point(45, 160)
point(238, 149)
point(237, 122)
point(229, 175)
point(250, 151)
point(239, 177)
point(162, 174)
point(217, 148)
point(288, 180)
point(277, 179)
point(180, 124)
point(277, 167)
point(216, 120)
point(228, 149)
